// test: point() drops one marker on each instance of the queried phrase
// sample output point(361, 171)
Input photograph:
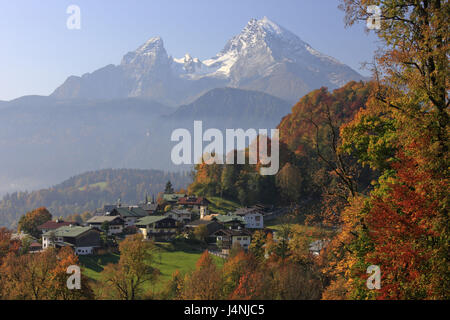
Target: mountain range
point(263, 57)
point(122, 116)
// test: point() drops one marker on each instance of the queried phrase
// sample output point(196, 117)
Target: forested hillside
point(89, 191)
point(307, 155)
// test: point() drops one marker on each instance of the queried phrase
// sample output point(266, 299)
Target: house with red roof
point(53, 225)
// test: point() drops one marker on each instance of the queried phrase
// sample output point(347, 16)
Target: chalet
point(129, 216)
point(173, 198)
point(254, 217)
point(183, 216)
point(157, 227)
point(227, 238)
point(115, 223)
point(200, 204)
point(84, 240)
point(231, 221)
point(53, 225)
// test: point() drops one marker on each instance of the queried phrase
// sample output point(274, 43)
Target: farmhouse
point(226, 238)
point(231, 221)
point(182, 216)
point(200, 204)
point(84, 240)
point(157, 227)
point(254, 217)
point(115, 223)
point(129, 216)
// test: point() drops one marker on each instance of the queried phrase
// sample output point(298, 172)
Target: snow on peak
point(151, 45)
point(150, 51)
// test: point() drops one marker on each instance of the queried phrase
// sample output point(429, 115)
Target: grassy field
point(222, 206)
point(313, 232)
point(168, 258)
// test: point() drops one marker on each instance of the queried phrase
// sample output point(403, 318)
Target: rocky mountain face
point(264, 57)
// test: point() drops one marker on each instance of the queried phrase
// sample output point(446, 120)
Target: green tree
point(168, 189)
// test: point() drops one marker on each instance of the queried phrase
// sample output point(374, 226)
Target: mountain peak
point(151, 50)
point(152, 44)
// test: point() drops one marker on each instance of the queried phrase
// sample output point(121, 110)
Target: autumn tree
point(29, 222)
point(403, 133)
point(173, 290)
point(205, 283)
point(257, 246)
point(41, 276)
point(125, 280)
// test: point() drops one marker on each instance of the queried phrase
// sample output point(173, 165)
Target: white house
point(253, 217)
point(230, 237)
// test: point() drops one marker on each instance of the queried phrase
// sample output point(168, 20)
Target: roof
point(234, 232)
point(124, 212)
point(150, 219)
point(177, 211)
point(36, 245)
point(139, 211)
point(263, 208)
point(193, 201)
point(199, 222)
point(247, 210)
point(51, 225)
point(68, 231)
point(101, 219)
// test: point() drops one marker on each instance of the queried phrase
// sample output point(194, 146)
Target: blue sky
point(38, 52)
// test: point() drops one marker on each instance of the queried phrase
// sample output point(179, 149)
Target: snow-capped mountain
point(264, 57)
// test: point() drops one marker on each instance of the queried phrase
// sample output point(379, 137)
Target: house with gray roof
point(115, 223)
point(84, 240)
point(129, 215)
